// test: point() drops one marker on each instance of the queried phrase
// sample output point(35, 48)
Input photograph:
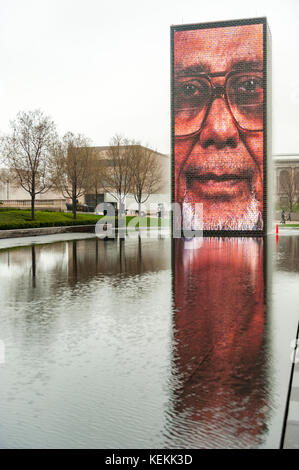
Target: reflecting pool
point(135, 343)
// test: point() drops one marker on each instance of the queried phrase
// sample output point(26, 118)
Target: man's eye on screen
point(192, 94)
point(250, 86)
point(191, 90)
point(247, 92)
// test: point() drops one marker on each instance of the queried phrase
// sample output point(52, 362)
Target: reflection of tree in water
point(288, 249)
point(220, 387)
point(33, 268)
point(51, 267)
point(40, 282)
point(34, 264)
point(120, 256)
point(31, 283)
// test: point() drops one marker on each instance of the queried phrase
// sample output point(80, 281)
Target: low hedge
point(33, 224)
point(19, 218)
point(11, 219)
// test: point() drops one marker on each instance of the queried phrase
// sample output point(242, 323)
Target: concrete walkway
point(32, 232)
point(43, 239)
point(291, 440)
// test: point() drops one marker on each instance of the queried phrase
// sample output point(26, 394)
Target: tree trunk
point(74, 206)
point(121, 210)
point(33, 197)
point(139, 209)
point(74, 200)
point(32, 206)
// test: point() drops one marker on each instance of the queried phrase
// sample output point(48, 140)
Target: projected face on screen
point(218, 102)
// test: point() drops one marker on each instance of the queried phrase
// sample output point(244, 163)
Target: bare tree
point(117, 179)
point(146, 174)
point(26, 151)
point(70, 163)
point(288, 186)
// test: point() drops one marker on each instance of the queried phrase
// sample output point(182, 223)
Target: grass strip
point(21, 218)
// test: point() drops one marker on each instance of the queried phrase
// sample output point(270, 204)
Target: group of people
point(284, 218)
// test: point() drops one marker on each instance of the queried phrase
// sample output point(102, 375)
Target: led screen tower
point(221, 154)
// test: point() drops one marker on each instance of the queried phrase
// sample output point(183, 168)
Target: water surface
point(115, 344)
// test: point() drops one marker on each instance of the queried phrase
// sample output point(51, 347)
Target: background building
point(13, 195)
point(286, 183)
point(286, 172)
point(162, 196)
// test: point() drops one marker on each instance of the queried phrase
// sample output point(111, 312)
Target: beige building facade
point(286, 169)
point(154, 201)
point(13, 195)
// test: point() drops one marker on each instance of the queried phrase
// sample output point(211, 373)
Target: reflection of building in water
point(44, 265)
point(221, 387)
point(119, 256)
point(83, 259)
point(17, 262)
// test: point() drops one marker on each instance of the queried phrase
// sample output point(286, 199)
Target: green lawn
point(18, 218)
point(288, 225)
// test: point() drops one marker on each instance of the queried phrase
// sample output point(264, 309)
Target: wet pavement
point(291, 440)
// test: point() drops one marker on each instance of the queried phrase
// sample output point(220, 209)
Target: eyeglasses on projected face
point(194, 95)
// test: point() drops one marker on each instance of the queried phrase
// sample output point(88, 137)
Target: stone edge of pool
point(32, 232)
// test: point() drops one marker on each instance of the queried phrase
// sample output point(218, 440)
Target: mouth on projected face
point(225, 184)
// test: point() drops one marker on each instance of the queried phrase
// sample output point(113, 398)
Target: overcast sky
point(100, 67)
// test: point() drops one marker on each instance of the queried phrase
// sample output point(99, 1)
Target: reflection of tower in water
point(220, 385)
